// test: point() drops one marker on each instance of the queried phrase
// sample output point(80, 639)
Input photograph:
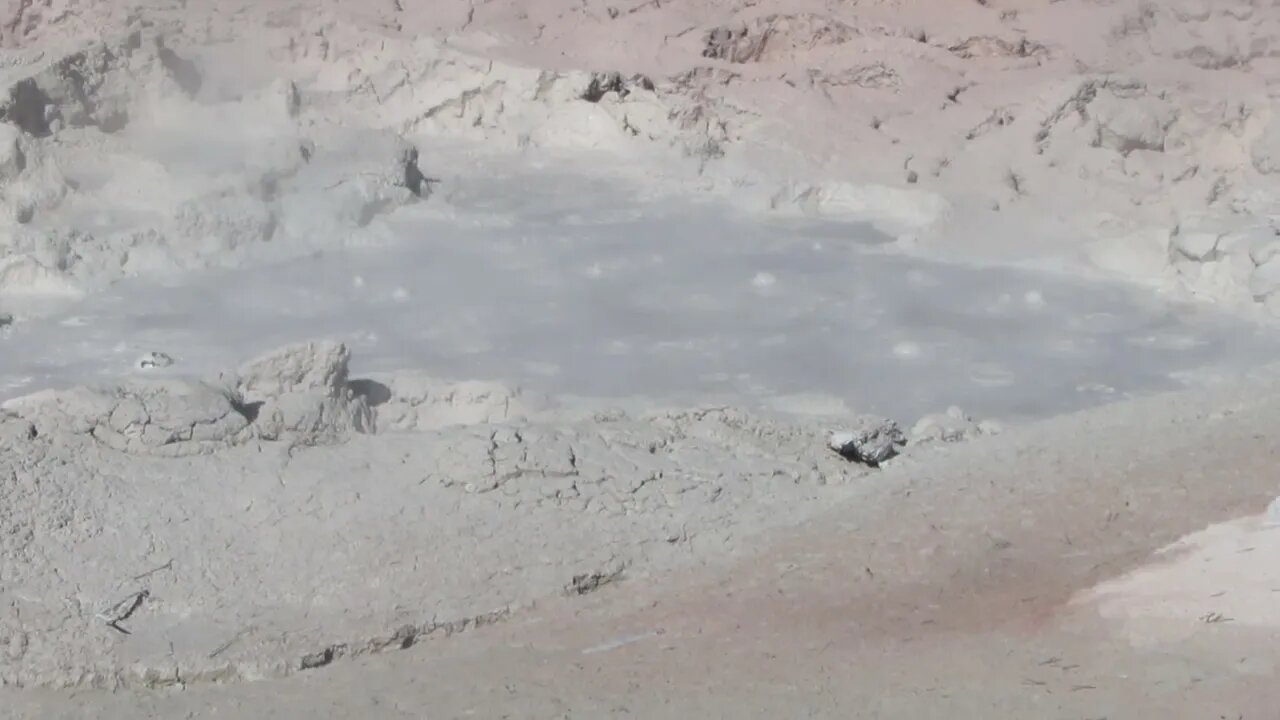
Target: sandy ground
point(956, 587)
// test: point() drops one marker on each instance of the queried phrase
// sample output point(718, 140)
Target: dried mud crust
point(258, 523)
point(976, 555)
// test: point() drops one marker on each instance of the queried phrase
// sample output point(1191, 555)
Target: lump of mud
point(298, 392)
point(871, 444)
point(152, 417)
point(952, 426)
point(302, 391)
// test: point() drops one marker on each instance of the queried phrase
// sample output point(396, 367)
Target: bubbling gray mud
point(693, 303)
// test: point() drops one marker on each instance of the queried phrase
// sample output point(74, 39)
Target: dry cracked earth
point(948, 588)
